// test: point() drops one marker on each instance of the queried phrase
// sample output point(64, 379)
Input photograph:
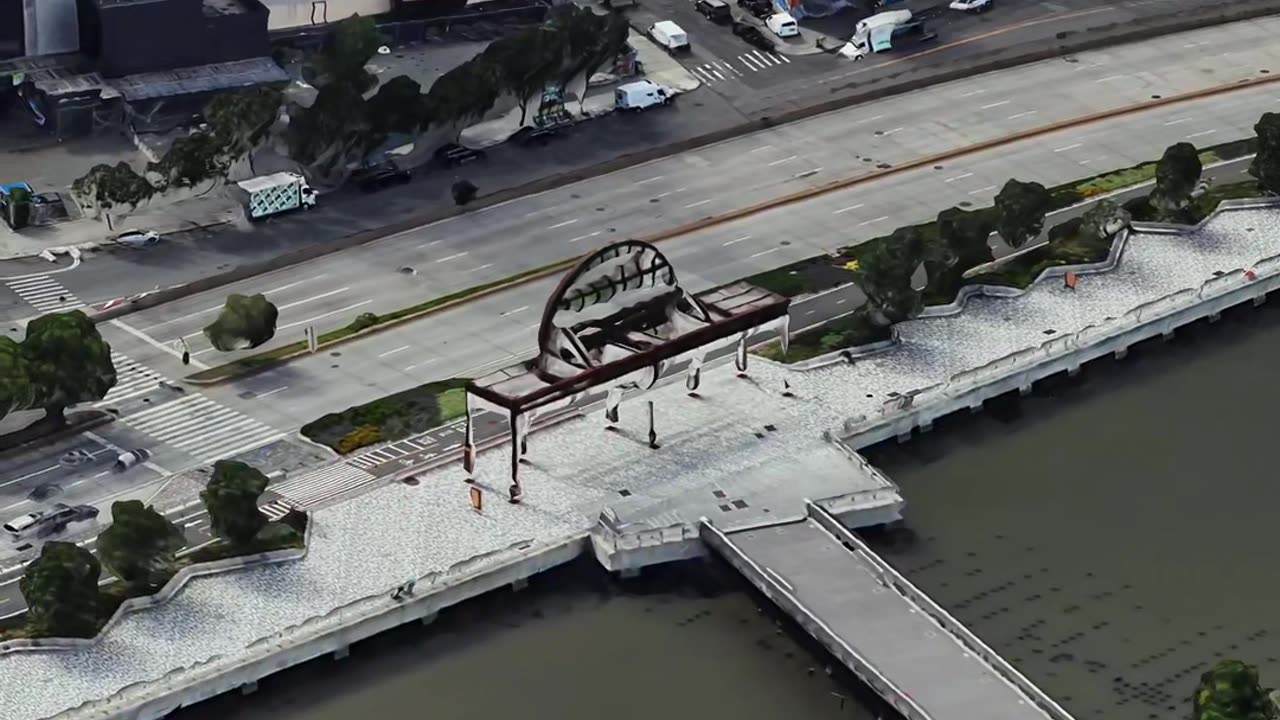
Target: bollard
point(429, 618)
point(1122, 353)
point(342, 653)
point(1073, 371)
point(1215, 317)
point(1167, 335)
point(519, 584)
point(249, 688)
point(1024, 390)
point(975, 408)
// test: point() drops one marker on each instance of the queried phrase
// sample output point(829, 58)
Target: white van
point(783, 25)
point(670, 36)
point(641, 94)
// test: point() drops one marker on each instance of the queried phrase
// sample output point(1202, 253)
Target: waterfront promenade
point(365, 547)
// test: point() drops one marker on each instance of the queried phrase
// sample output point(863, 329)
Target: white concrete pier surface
point(889, 633)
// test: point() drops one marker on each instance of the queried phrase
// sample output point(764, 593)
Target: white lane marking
point(428, 361)
point(1109, 78)
point(958, 177)
point(155, 343)
point(323, 316)
point(269, 393)
point(737, 240)
point(1179, 121)
point(454, 256)
point(696, 204)
point(584, 237)
point(563, 224)
point(649, 180)
point(1028, 113)
point(1201, 134)
point(890, 132)
point(996, 104)
point(763, 252)
point(843, 210)
point(402, 348)
point(28, 476)
point(760, 149)
point(485, 266)
point(522, 308)
point(433, 243)
point(783, 160)
point(979, 191)
point(882, 218)
point(1065, 148)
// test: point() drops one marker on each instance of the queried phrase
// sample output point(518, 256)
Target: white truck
point(268, 195)
point(670, 36)
point(642, 94)
point(892, 30)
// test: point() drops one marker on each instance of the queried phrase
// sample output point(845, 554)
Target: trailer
point(268, 195)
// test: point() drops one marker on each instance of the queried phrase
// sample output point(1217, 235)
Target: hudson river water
point(1112, 535)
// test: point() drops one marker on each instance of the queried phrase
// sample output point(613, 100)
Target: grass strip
point(393, 417)
point(364, 324)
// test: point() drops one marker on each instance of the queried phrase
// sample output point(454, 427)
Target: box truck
point(268, 195)
point(879, 33)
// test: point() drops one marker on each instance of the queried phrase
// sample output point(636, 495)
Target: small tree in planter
point(1266, 164)
point(231, 497)
point(1020, 208)
point(1230, 691)
point(245, 322)
point(67, 362)
point(61, 590)
point(141, 545)
point(1177, 173)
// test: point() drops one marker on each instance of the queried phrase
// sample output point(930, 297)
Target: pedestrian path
point(315, 487)
point(741, 66)
point(45, 294)
point(132, 380)
point(202, 428)
point(397, 450)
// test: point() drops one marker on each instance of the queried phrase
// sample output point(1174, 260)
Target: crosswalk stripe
point(749, 62)
point(323, 484)
point(276, 509)
point(780, 56)
point(202, 428)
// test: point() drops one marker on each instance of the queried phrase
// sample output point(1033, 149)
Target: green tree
point(243, 118)
point(1266, 164)
point(140, 547)
point(884, 271)
point(1020, 208)
point(68, 362)
point(335, 126)
point(17, 392)
point(527, 62)
point(245, 322)
point(231, 497)
point(1177, 173)
point(398, 107)
point(466, 92)
point(350, 44)
point(61, 590)
point(1105, 218)
point(1231, 691)
point(108, 187)
point(967, 234)
point(613, 40)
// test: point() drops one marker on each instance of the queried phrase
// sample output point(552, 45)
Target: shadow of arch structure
point(615, 323)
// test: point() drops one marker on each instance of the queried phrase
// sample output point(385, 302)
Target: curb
point(775, 203)
point(950, 73)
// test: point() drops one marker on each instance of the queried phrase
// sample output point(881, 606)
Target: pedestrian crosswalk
point(277, 509)
point(746, 63)
point(132, 381)
point(394, 451)
point(45, 293)
point(202, 428)
point(314, 487)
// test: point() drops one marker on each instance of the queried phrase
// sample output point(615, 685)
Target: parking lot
point(732, 68)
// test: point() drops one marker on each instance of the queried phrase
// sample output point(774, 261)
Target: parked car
point(783, 25)
point(753, 35)
point(531, 135)
point(379, 177)
point(972, 6)
point(669, 36)
point(717, 11)
point(760, 9)
point(137, 238)
point(453, 155)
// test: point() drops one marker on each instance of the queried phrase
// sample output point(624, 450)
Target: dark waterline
point(1112, 535)
point(676, 644)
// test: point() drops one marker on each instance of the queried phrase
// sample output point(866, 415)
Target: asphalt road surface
point(496, 242)
point(194, 254)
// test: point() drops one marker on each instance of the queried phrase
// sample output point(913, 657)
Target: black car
point(762, 9)
point(453, 155)
point(753, 35)
point(717, 11)
point(529, 135)
point(377, 178)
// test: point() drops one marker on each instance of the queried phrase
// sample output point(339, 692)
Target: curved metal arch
point(546, 328)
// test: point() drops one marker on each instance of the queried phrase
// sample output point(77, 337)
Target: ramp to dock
point(896, 639)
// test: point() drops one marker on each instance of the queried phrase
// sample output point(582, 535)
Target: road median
point(851, 95)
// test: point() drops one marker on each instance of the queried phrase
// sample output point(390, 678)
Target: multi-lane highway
point(493, 242)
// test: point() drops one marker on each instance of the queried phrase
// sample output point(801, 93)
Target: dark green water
point(1116, 534)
